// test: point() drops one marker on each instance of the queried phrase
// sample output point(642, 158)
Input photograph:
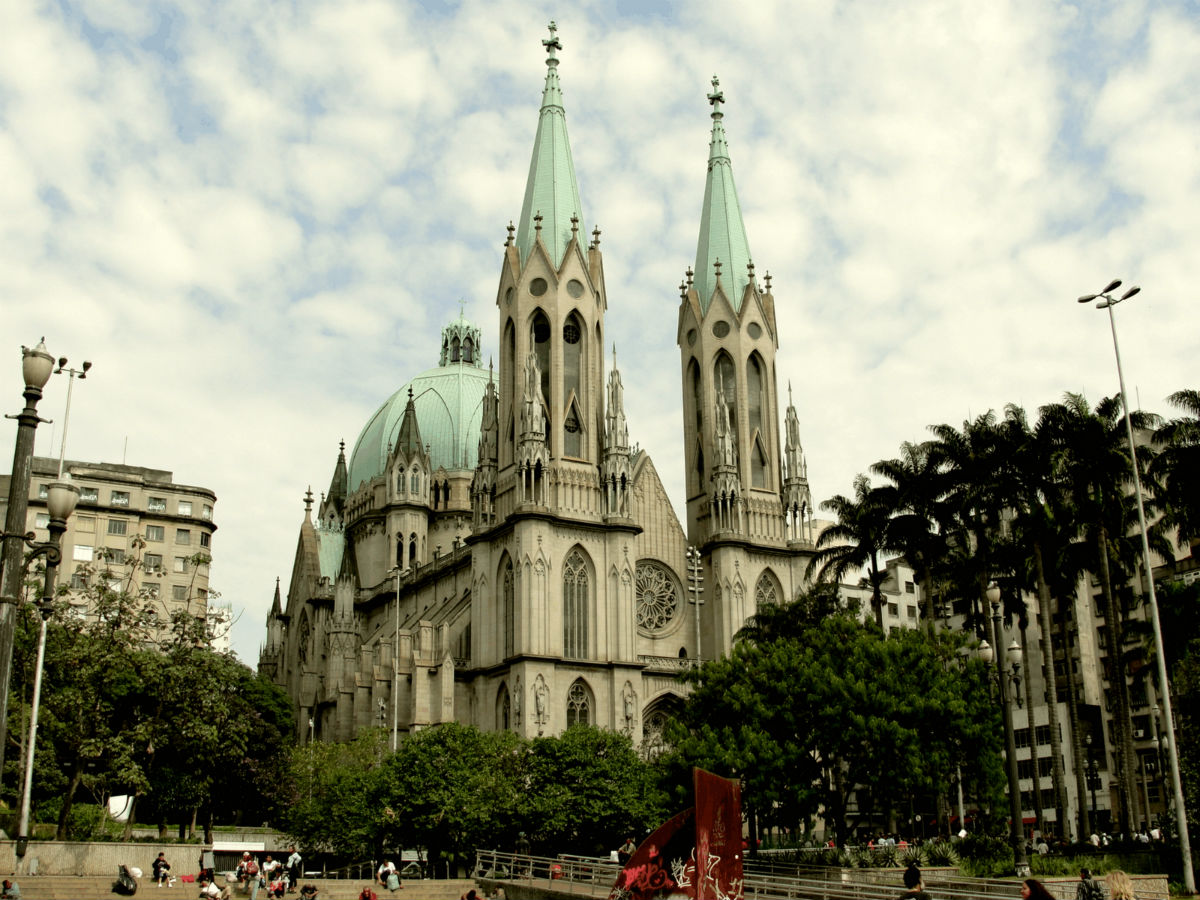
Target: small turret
point(726, 487)
point(333, 504)
point(483, 484)
point(615, 470)
point(797, 499)
point(533, 458)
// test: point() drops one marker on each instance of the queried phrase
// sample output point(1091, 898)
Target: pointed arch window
point(400, 480)
point(503, 709)
point(573, 333)
point(575, 606)
point(756, 401)
point(414, 482)
point(579, 704)
point(508, 612)
point(540, 330)
point(454, 350)
point(767, 591)
point(468, 351)
point(412, 549)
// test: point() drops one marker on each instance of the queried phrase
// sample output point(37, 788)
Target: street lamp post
point(36, 368)
point(1105, 300)
point(695, 590)
point(61, 503)
point(72, 374)
point(1013, 656)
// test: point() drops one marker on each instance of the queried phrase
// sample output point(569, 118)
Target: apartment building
point(118, 505)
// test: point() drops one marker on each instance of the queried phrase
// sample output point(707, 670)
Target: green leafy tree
point(800, 716)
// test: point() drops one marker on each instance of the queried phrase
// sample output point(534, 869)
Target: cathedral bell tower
point(743, 487)
point(552, 301)
point(727, 339)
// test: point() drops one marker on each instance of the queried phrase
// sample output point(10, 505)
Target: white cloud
point(270, 211)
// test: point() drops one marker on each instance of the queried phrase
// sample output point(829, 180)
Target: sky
point(254, 218)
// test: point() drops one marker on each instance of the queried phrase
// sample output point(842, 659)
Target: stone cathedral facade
point(496, 552)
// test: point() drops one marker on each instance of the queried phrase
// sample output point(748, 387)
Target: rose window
point(657, 597)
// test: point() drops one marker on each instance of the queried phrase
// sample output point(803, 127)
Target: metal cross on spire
point(552, 43)
point(717, 97)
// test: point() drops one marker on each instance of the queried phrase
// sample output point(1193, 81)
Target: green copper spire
point(722, 234)
point(551, 193)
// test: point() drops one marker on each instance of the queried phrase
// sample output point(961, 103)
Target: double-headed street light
point(1105, 300)
point(63, 496)
point(1004, 675)
point(36, 367)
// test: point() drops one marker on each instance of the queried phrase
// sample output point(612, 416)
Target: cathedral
point(496, 552)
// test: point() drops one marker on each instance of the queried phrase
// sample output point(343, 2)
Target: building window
point(78, 580)
point(150, 590)
point(114, 555)
point(579, 705)
point(155, 533)
point(765, 592)
point(152, 562)
point(119, 498)
point(83, 553)
point(179, 592)
point(181, 564)
point(1022, 737)
point(894, 610)
point(117, 526)
point(206, 511)
point(1042, 734)
point(509, 612)
point(43, 491)
point(205, 539)
point(89, 495)
point(41, 520)
point(156, 504)
point(185, 507)
point(657, 597)
point(575, 607)
point(909, 588)
point(183, 536)
point(85, 524)
point(912, 612)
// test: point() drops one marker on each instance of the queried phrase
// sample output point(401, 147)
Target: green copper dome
point(449, 404)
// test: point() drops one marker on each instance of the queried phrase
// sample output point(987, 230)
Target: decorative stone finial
point(691, 276)
point(537, 223)
point(596, 236)
point(574, 225)
point(308, 500)
point(750, 269)
point(717, 267)
point(511, 229)
point(767, 279)
point(682, 290)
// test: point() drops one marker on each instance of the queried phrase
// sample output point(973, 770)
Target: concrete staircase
point(95, 887)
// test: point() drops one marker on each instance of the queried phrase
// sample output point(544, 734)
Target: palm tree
point(916, 498)
point(1091, 453)
point(976, 492)
point(856, 540)
point(1036, 537)
point(1177, 467)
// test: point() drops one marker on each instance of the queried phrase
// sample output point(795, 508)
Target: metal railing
point(595, 877)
